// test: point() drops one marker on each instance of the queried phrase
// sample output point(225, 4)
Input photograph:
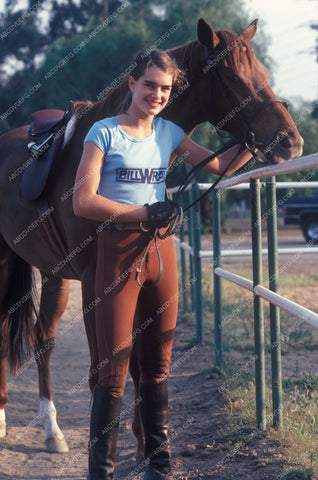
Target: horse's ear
point(249, 31)
point(206, 35)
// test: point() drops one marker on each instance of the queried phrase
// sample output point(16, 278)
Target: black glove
point(161, 213)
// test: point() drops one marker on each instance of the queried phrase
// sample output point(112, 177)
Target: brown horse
point(227, 86)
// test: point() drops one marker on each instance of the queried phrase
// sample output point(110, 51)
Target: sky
point(293, 43)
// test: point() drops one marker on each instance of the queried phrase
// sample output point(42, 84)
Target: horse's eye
point(234, 78)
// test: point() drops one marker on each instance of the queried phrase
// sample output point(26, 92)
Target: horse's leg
point(89, 303)
point(135, 375)
point(3, 397)
point(54, 298)
point(6, 265)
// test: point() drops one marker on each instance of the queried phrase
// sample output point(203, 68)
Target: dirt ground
point(197, 413)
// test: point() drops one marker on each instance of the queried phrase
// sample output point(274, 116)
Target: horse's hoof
point(3, 431)
point(2, 423)
point(56, 445)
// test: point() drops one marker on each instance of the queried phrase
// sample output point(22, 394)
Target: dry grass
point(296, 441)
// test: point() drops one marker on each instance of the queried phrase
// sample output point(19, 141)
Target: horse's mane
point(113, 103)
point(190, 59)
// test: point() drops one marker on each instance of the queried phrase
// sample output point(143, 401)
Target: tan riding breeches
point(127, 313)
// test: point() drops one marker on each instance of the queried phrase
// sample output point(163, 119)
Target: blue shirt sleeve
point(100, 136)
point(169, 134)
point(177, 135)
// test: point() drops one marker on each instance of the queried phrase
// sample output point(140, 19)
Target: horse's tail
point(17, 311)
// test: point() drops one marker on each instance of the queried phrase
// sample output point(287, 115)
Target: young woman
point(124, 163)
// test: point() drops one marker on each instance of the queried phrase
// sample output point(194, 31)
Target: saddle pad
point(36, 174)
point(44, 123)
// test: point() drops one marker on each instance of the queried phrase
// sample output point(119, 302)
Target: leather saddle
point(46, 134)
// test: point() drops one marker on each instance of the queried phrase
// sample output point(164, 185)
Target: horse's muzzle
point(285, 146)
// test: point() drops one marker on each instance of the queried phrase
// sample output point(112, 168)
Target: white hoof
point(3, 431)
point(56, 445)
point(54, 441)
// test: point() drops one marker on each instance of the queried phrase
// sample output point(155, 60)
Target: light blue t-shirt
point(134, 169)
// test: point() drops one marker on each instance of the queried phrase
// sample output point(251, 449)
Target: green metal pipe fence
point(259, 291)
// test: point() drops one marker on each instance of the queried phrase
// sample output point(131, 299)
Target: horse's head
point(242, 100)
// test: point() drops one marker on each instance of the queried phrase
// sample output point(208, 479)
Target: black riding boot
point(155, 419)
point(104, 425)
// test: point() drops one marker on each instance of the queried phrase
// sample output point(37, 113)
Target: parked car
point(302, 211)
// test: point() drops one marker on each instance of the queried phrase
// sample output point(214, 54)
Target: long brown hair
point(153, 58)
point(160, 59)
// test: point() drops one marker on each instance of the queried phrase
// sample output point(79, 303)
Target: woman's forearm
point(226, 158)
point(103, 209)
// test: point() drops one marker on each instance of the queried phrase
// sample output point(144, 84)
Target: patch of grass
point(302, 280)
point(297, 439)
point(295, 444)
point(299, 474)
point(300, 421)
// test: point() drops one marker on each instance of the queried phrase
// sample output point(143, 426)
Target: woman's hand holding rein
point(160, 214)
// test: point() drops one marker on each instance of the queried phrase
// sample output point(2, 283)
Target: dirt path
point(198, 416)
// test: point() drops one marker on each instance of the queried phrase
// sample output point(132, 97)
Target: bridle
point(247, 118)
point(247, 140)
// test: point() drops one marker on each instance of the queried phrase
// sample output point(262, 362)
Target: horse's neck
point(185, 109)
point(181, 119)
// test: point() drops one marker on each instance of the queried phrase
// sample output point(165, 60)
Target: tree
point(21, 39)
point(90, 45)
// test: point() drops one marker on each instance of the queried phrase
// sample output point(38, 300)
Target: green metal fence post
point(216, 222)
point(258, 304)
point(197, 263)
point(191, 259)
point(277, 395)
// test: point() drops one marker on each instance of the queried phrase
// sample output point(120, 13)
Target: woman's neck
point(135, 125)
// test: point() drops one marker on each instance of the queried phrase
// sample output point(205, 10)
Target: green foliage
point(21, 38)
point(307, 125)
point(77, 50)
